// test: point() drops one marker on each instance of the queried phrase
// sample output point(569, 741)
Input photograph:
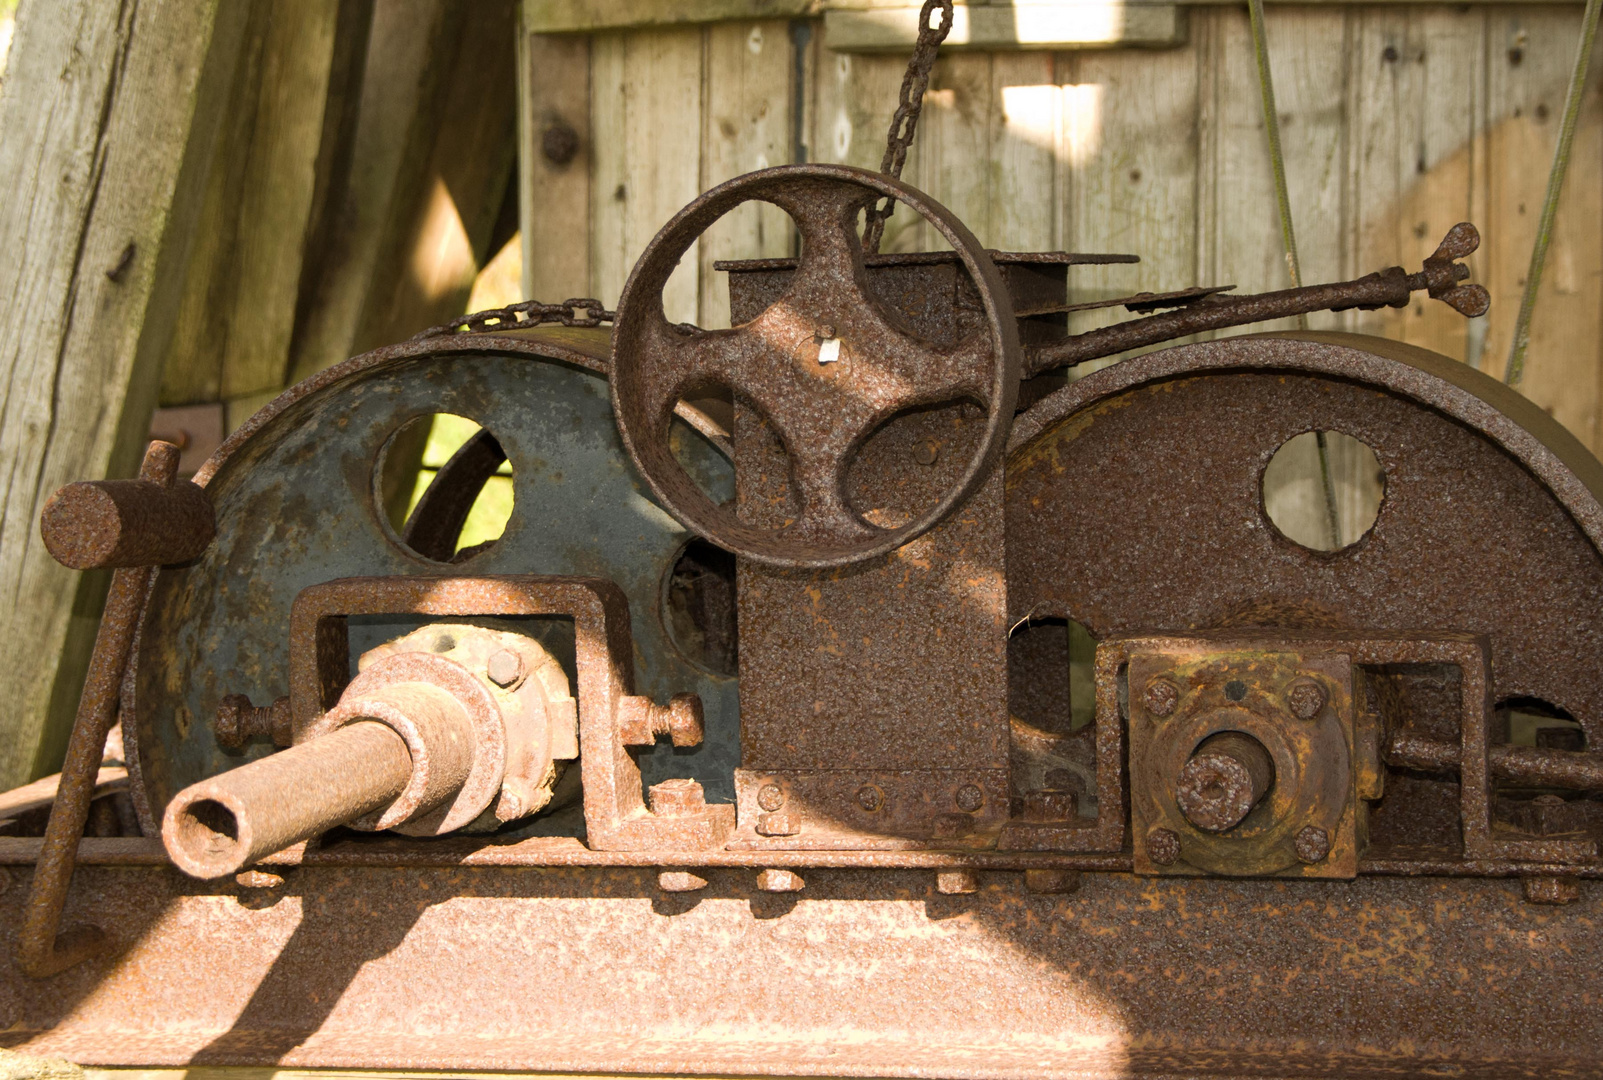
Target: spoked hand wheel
point(825, 365)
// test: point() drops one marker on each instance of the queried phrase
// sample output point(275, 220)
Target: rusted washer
point(825, 365)
point(415, 693)
point(1223, 780)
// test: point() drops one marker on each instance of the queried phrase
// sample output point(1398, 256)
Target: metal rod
point(41, 951)
point(1515, 370)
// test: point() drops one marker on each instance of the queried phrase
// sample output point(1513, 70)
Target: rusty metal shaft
point(1391, 287)
point(1569, 769)
point(1223, 780)
point(401, 750)
point(105, 523)
point(223, 824)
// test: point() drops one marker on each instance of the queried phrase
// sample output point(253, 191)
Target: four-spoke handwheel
point(825, 365)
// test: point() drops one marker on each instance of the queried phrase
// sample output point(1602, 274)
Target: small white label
point(829, 350)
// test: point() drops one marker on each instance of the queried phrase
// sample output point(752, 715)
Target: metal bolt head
point(680, 881)
point(969, 798)
point(505, 668)
point(957, 882)
point(1161, 697)
point(559, 142)
point(676, 798)
point(777, 825)
point(1163, 846)
point(779, 881)
point(770, 798)
point(870, 798)
point(1312, 844)
point(927, 452)
point(1306, 698)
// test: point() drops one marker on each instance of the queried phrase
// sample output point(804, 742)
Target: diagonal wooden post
point(107, 116)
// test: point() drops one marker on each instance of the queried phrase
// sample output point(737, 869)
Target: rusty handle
point(1569, 769)
point(122, 523)
point(221, 825)
point(41, 952)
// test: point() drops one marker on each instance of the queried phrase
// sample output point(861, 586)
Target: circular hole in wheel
point(698, 607)
point(444, 486)
point(1323, 490)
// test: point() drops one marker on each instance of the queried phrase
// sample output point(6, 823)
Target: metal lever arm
point(1392, 287)
point(154, 527)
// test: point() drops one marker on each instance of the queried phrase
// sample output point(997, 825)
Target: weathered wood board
point(1397, 119)
point(106, 127)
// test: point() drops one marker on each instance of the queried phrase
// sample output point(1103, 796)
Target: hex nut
point(1551, 890)
point(1163, 846)
point(969, 798)
point(957, 882)
point(770, 797)
point(680, 881)
point(1052, 882)
point(1313, 844)
point(870, 798)
point(1161, 697)
point(777, 825)
point(678, 797)
point(1306, 698)
point(780, 881)
point(505, 668)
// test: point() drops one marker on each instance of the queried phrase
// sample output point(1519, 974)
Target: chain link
point(905, 122)
point(580, 312)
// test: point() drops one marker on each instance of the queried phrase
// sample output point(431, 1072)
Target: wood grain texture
point(554, 196)
point(400, 68)
point(1397, 120)
point(107, 122)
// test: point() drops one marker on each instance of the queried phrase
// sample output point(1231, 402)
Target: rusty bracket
point(615, 813)
point(132, 526)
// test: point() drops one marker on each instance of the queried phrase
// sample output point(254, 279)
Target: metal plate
point(293, 492)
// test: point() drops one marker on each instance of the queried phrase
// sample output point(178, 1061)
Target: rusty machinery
point(749, 745)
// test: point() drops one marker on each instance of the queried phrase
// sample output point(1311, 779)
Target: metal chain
point(905, 122)
point(580, 312)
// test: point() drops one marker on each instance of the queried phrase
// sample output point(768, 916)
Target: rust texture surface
point(862, 973)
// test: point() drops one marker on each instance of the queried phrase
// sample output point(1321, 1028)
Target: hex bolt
point(969, 798)
point(505, 668)
point(777, 825)
point(1306, 698)
point(780, 881)
point(1225, 777)
point(1045, 805)
point(559, 142)
point(770, 797)
point(680, 881)
point(1161, 697)
point(1313, 844)
point(1163, 846)
point(1052, 882)
point(258, 879)
point(927, 452)
point(957, 882)
point(239, 722)
point(642, 721)
point(517, 799)
point(870, 798)
point(1551, 890)
point(680, 797)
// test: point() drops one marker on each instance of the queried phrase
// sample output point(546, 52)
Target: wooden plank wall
point(1397, 120)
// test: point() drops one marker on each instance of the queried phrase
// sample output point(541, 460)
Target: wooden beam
point(591, 16)
point(107, 123)
point(244, 280)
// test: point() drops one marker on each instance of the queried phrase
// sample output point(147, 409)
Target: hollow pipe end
point(206, 832)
